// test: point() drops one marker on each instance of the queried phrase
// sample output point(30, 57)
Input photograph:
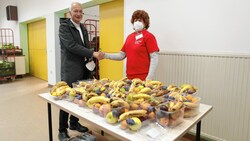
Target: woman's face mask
point(138, 26)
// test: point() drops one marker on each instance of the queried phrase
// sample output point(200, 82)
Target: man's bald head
point(76, 12)
point(74, 4)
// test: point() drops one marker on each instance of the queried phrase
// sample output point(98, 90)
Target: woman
point(140, 48)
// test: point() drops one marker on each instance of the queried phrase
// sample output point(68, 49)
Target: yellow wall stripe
point(111, 37)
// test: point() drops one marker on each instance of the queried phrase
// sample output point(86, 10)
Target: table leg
point(50, 122)
point(198, 131)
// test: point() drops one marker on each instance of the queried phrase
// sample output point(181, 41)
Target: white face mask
point(138, 26)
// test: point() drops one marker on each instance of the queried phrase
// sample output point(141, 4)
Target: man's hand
point(99, 55)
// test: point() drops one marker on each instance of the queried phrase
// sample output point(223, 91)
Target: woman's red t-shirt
point(137, 47)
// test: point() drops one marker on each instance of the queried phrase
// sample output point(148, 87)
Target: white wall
point(217, 26)
point(53, 48)
point(29, 9)
point(9, 24)
point(32, 9)
point(194, 25)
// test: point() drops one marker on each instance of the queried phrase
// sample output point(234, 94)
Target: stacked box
point(7, 69)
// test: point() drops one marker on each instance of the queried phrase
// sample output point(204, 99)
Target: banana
point(71, 92)
point(156, 82)
point(136, 81)
point(119, 94)
point(148, 84)
point(174, 89)
point(89, 87)
point(83, 83)
point(80, 90)
point(111, 84)
point(131, 89)
point(116, 90)
point(115, 98)
point(171, 87)
point(124, 79)
point(179, 97)
point(86, 96)
point(119, 103)
point(191, 105)
point(184, 98)
point(120, 84)
point(144, 96)
point(188, 88)
point(145, 90)
point(92, 94)
point(153, 102)
point(134, 113)
point(95, 81)
point(138, 101)
point(97, 99)
point(173, 94)
point(106, 84)
point(104, 80)
point(61, 90)
point(54, 93)
point(115, 84)
point(58, 85)
point(53, 89)
point(185, 87)
point(177, 106)
point(61, 83)
point(170, 105)
point(102, 88)
point(160, 93)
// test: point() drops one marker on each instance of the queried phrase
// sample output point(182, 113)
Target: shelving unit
point(7, 53)
point(93, 32)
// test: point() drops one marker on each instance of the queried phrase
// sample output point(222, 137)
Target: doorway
point(37, 49)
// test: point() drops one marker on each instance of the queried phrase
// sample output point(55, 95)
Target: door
point(111, 38)
point(37, 49)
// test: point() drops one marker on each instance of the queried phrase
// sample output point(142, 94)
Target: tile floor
point(23, 114)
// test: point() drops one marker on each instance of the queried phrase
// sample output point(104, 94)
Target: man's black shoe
point(79, 128)
point(63, 135)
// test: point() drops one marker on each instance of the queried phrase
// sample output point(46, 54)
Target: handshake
point(99, 55)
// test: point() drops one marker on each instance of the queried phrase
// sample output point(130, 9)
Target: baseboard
point(205, 136)
point(50, 86)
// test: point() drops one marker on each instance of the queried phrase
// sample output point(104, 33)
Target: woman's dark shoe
point(79, 128)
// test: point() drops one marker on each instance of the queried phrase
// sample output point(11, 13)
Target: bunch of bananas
point(154, 84)
point(133, 113)
point(177, 96)
point(187, 88)
point(86, 96)
point(173, 88)
point(119, 103)
point(191, 101)
point(80, 90)
point(62, 90)
point(174, 106)
point(97, 99)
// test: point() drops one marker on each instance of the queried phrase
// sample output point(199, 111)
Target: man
point(75, 53)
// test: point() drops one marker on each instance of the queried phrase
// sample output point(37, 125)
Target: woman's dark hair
point(141, 14)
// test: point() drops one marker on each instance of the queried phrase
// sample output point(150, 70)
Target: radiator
point(222, 81)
